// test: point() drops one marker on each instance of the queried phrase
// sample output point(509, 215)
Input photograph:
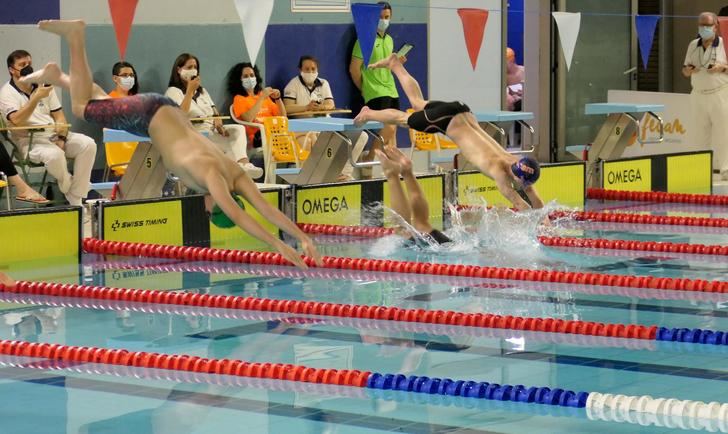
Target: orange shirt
point(242, 104)
point(115, 94)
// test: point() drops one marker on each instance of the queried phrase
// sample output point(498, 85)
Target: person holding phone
point(377, 87)
point(185, 88)
point(707, 67)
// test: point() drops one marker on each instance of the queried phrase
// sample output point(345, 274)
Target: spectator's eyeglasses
point(126, 75)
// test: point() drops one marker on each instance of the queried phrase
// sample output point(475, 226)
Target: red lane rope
point(357, 231)
point(187, 253)
point(358, 323)
point(183, 362)
point(656, 196)
point(608, 217)
point(181, 376)
point(387, 313)
point(643, 246)
point(476, 286)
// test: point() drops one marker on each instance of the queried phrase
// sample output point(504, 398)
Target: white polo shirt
point(296, 90)
point(704, 81)
point(13, 99)
point(201, 107)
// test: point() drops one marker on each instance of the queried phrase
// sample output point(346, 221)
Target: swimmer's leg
point(388, 116)
point(81, 81)
point(410, 86)
point(420, 210)
point(397, 198)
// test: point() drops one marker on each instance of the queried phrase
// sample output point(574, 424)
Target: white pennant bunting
point(254, 17)
point(568, 24)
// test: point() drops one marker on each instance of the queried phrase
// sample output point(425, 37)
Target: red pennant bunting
point(122, 15)
point(474, 21)
point(723, 26)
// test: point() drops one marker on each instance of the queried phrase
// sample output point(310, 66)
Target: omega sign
point(324, 205)
point(624, 176)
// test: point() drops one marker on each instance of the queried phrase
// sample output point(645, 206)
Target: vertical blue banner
point(646, 26)
point(366, 17)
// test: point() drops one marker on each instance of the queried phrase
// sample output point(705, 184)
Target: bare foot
point(6, 280)
point(395, 154)
point(62, 27)
point(390, 167)
point(49, 74)
point(387, 62)
point(363, 116)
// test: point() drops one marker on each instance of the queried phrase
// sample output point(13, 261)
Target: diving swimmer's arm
point(533, 196)
point(504, 186)
point(217, 188)
point(250, 192)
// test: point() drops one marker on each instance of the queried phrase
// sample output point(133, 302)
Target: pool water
point(57, 398)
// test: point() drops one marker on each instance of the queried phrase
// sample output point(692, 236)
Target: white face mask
point(126, 83)
point(188, 74)
point(309, 77)
point(383, 25)
point(706, 32)
point(249, 82)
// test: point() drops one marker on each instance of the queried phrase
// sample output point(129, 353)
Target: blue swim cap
point(525, 177)
point(220, 219)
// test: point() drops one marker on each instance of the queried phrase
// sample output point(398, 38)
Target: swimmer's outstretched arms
point(455, 120)
point(192, 157)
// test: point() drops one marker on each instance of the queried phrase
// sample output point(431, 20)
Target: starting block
point(145, 175)
point(332, 149)
point(619, 129)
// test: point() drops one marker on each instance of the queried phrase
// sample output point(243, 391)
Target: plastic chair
point(4, 185)
point(22, 160)
point(118, 156)
point(430, 143)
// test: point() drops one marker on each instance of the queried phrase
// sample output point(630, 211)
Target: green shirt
point(377, 82)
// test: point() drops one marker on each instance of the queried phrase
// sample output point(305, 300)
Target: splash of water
point(487, 236)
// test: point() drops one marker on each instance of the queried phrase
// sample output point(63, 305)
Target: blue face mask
point(706, 32)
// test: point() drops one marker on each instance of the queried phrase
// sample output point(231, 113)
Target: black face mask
point(27, 70)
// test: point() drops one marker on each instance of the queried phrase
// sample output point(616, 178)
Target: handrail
point(639, 130)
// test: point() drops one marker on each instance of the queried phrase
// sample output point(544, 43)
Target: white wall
point(451, 74)
point(156, 11)
point(43, 46)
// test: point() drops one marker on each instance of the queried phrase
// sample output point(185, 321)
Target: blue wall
point(515, 28)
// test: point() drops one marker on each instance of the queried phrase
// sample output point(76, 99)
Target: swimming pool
point(70, 397)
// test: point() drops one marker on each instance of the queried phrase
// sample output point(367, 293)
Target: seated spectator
point(309, 92)
point(23, 192)
point(28, 105)
point(125, 77)
point(251, 101)
point(185, 88)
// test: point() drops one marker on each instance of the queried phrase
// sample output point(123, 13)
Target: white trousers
point(710, 120)
point(234, 145)
point(79, 147)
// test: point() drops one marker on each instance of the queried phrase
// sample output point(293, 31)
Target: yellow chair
point(281, 144)
point(5, 189)
point(118, 156)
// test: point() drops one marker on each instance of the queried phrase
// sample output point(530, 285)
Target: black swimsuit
point(436, 116)
point(438, 236)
